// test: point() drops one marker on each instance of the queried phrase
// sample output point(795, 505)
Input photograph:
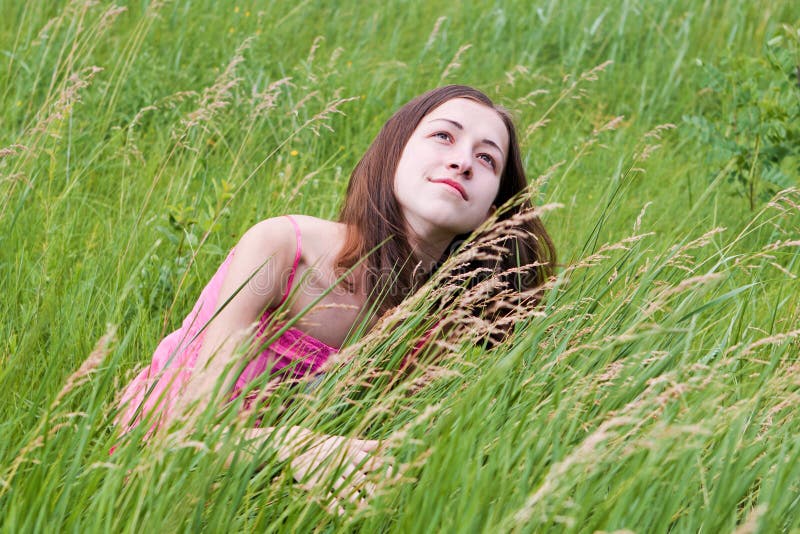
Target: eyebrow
point(461, 127)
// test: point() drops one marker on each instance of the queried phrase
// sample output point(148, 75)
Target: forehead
point(480, 120)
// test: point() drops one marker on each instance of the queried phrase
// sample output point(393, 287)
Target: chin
point(456, 226)
point(448, 217)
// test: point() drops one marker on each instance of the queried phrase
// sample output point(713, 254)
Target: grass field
point(655, 388)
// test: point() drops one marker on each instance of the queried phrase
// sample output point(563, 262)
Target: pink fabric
point(175, 356)
point(297, 254)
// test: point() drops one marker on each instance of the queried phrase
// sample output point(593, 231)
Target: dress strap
point(297, 255)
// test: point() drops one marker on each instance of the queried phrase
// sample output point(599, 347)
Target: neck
point(427, 242)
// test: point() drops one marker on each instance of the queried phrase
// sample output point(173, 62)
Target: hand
point(349, 460)
point(316, 458)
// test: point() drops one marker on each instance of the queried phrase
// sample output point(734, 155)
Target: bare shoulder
point(321, 237)
point(268, 246)
point(270, 237)
point(254, 275)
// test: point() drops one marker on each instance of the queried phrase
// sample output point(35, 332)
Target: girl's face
point(449, 172)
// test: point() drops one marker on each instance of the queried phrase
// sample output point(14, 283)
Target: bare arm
point(264, 253)
point(346, 464)
point(313, 456)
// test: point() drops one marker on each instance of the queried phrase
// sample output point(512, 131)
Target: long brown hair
point(372, 213)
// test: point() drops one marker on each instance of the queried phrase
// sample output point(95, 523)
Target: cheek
point(489, 192)
point(420, 151)
point(400, 176)
point(411, 164)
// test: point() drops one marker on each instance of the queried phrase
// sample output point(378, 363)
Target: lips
point(452, 183)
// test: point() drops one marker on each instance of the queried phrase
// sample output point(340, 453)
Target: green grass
point(654, 390)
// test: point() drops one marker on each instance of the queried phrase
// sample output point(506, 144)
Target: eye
point(444, 136)
point(488, 159)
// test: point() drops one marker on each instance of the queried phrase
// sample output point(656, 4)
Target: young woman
point(439, 167)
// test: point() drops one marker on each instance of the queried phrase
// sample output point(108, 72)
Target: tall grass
point(653, 389)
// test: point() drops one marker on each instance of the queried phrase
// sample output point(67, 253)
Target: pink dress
point(175, 356)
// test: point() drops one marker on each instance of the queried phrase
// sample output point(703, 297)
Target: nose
point(460, 162)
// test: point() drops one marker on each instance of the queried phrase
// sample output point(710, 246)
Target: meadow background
point(654, 390)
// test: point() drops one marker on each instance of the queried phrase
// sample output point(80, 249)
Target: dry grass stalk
point(541, 123)
point(791, 400)
point(600, 256)
point(72, 9)
point(5, 482)
point(689, 283)
point(775, 339)
point(611, 372)
point(512, 74)
point(528, 98)
point(154, 7)
point(592, 74)
point(783, 269)
point(431, 374)
point(624, 244)
point(399, 436)
point(633, 333)
point(44, 32)
point(168, 102)
point(13, 179)
point(109, 16)
point(700, 242)
point(335, 55)
point(609, 126)
point(787, 200)
point(313, 50)
point(664, 291)
point(647, 150)
point(459, 324)
point(256, 400)
point(100, 351)
point(67, 98)
point(655, 133)
point(645, 154)
point(76, 379)
point(216, 97)
point(656, 356)
point(303, 101)
point(782, 244)
point(684, 262)
point(321, 118)
point(538, 184)
point(638, 224)
point(571, 91)
point(434, 33)
point(12, 150)
point(454, 63)
point(583, 453)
